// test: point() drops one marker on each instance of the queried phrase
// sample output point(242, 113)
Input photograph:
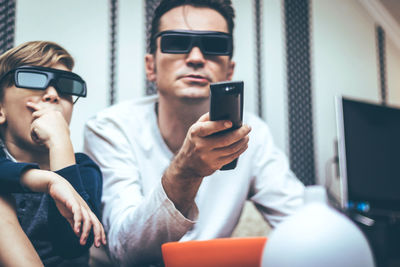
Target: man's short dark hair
point(224, 7)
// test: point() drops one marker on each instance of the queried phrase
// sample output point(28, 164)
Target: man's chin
point(195, 98)
point(195, 93)
point(188, 93)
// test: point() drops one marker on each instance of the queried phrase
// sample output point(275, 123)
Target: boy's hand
point(50, 128)
point(76, 211)
point(48, 125)
point(70, 204)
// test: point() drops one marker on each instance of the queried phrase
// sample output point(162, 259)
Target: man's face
point(189, 75)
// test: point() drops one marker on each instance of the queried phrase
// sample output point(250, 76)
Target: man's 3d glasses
point(39, 78)
point(182, 41)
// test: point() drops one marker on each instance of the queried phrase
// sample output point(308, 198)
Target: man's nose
point(51, 95)
point(195, 58)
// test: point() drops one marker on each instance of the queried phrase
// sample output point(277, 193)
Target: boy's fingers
point(36, 114)
point(71, 222)
point(87, 225)
point(34, 135)
point(33, 106)
point(96, 230)
point(77, 219)
point(103, 233)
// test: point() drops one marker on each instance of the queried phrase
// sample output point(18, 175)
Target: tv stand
point(383, 234)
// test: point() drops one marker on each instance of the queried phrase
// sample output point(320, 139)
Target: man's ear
point(2, 115)
point(231, 69)
point(150, 66)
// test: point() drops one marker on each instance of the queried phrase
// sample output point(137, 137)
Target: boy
point(57, 193)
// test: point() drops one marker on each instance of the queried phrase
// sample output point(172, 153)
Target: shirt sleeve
point(275, 191)
point(10, 175)
point(85, 177)
point(136, 225)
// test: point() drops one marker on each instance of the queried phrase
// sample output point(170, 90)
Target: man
point(159, 157)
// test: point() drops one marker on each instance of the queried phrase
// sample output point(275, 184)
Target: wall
point(244, 54)
point(275, 108)
point(131, 49)
point(344, 64)
point(393, 71)
point(81, 27)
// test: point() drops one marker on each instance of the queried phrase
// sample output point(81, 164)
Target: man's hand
point(70, 204)
point(204, 151)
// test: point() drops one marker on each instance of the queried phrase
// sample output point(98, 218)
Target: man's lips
point(194, 78)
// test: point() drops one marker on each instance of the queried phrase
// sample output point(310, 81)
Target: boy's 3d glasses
point(39, 78)
point(182, 41)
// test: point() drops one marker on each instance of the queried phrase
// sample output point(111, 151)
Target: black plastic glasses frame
point(182, 41)
point(53, 77)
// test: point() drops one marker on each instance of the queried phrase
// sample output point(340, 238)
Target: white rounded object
point(317, 235)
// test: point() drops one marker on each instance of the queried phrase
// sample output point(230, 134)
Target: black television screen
point(369, 149)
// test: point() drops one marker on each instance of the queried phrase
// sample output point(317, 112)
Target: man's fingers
point(204, 127)
point(222, 141)
point(204, 117)
point(207, 128)
point(228, 159)
point(233, 148)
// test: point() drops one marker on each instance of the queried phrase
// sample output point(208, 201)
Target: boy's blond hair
point(34, 53)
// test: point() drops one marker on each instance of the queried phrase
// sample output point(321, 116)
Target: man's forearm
point(136, 236)
point(180, 188)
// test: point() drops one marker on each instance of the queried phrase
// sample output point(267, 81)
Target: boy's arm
point(70, 218)
point(66, 243)
point(87, 180)
point(70, 209)
point(10, 175)
point(15, 247)
point(50, 129)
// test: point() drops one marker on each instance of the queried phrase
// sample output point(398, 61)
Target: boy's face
point(16, 116)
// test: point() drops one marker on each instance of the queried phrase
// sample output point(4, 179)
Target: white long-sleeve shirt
point(138, 216)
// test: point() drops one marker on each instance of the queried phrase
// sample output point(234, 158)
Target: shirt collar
point(5, 151)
